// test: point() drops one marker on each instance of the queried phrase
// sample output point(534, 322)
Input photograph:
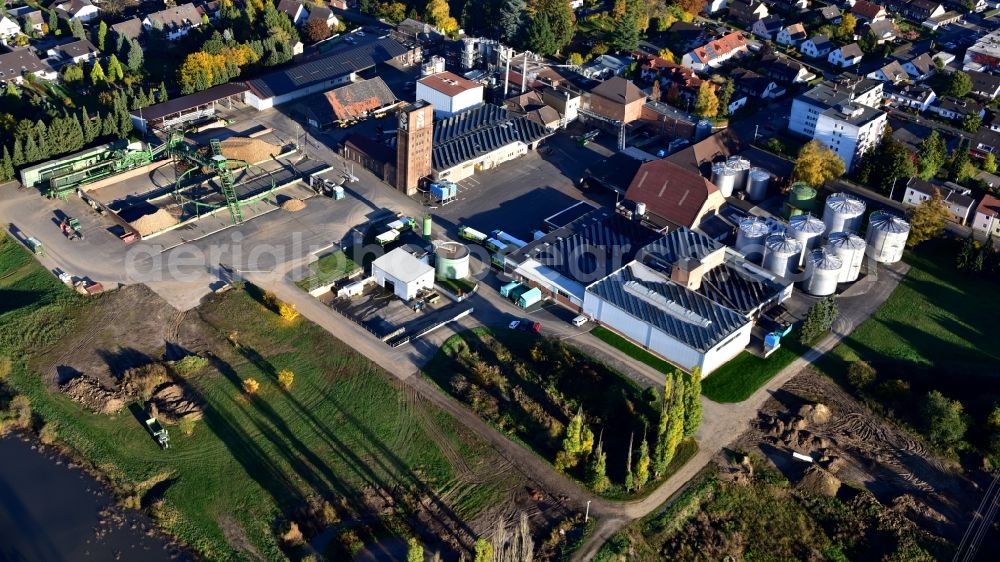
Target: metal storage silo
point(801, 199)
point(822, 271)
point(808, 230)
point(750, 237)
point(724, 177)
point(843, 213)
point(850, 248)
point(742, 169)
point(757, 184)
point(451, 260)
point(781, 255)
point(886, 237)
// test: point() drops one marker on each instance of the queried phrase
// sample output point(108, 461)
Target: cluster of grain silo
point(808, 230)
point(750, 236)
point(886, 237)
point(757, 184)
point(731, 175)
point(782, 254)
point(822, 273)
point(843, 213)
point(850, 248)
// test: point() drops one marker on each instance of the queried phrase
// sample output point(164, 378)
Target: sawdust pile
point(293, 205)
point(248, 150)
point(154, 222)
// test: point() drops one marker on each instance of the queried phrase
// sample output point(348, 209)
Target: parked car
point(526, 325)
point(580, 320)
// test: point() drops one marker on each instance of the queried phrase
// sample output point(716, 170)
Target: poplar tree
point(597, 471)
point(629, 478)
point(102, 34)
point(693, 413)
point(642, 464)
point(661, 457)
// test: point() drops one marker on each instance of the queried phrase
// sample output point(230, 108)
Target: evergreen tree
point(102, 35)
point(931, 155)
point(597, 471)
point(134, 57)
point(109, 125)
point(18, 158)
point(642, 465)
point(819, 319)
point(53, 22)
point(163, 92)
point(11, 92)
point(629, 477)
point(91, 126)
point(42, 140)
point(693, 413)
point(539, 37)
point(75, 139)
point(76, 28)
point(124, 123)
point(510, 19)
point(31, 152)
point(115, 71)
point(625, 36)
point(661, 456)
point(964, 259)
point(7, 174)
point(561, 21)
point(97, 76)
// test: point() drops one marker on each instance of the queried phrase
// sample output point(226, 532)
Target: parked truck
point(471, 234)
point(508, 239)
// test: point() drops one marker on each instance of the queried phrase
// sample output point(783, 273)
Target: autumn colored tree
point(642, 465)
point(286, 378)
point(817, 164)
point(848, 24)
point(706, 103)
point(438, 14)
point(927, 219)
point(316, 30)
point(115, 71)
point(251, 386)
point(97, 74)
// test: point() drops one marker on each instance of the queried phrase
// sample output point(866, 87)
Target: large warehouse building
point(449, 93)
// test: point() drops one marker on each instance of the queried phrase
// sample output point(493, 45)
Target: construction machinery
point(159, 433)
point(71, 228)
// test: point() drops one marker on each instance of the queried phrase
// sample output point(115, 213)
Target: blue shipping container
point(529, 297)
point(506, 289)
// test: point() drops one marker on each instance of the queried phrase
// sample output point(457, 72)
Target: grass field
point(341, 431)
point(738, 379)
point(328, 269)
point(630, 349)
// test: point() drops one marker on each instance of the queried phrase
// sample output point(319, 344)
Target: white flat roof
point(401, 265)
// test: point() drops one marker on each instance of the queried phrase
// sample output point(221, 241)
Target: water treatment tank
point(801, 199)
point(724, 177)
point(451, 260)
point(886, 237)
point(781, 255)
point(843, 213)
point(822, 271)
point(850, 248)
point(808, 230)
point(758, 183)
point(750, 237)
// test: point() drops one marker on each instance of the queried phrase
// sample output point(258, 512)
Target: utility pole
point(586, 516)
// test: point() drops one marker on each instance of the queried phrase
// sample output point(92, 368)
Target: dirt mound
point(818, 481)
point(293, 205)
point(815, 413)
point(248, 150)
point(94, 396)
point(154, 222)
point(174, 404)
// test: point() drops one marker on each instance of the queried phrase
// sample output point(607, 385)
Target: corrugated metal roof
point(478, 131)
point(683, 314)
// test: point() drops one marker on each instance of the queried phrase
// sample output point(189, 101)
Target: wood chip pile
point(154, 222)
point(249, 150)
point(293, 205)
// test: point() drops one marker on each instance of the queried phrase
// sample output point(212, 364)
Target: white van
point(580, 320)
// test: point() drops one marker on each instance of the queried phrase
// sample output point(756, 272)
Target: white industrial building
point(404, 274)
point(449, 93)
point(842, 116)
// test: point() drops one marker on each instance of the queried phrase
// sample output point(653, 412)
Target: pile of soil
point(174, 404)
point(155, 222)
point(94, 396)
point(293, 205)
point(248, 150)
point(820, 482)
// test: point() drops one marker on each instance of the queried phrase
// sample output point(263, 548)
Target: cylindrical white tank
point(808, 230)
point(886, 237)
point(758, 183)
point(781, 255)
point(451, 260)
point(724, 177)
point(742, 169)
point(843, 213)
point(850, 248)
point(822, 272)
point(750, 237)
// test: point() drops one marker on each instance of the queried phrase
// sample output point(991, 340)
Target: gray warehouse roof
point(331, 66)
point(479, 131)
point(683, 314)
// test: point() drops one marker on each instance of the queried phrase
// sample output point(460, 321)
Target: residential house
point(792, 35)
point(76, 10)
point(753, 85)
point(20, 62)
point(883, 30)
point(868, 11)
point(686, 36)
point(986, 223)
point(746, 12)
point(842, 115)
point(34, 18)
point(75, 52)
point(829, 14)
point(323, 14)
point(174, 22)
point(339, 4)
point(893, 72)
point(848, 55)
point(786, 70)
point(9, 28)
point(294, 10)
point(618, 99)
point(956, 198)
point(984, 85)
point(767, 28)
point(128, 30)
point(816, 46)
point(944, 19)
point(920, 67)
point(985, 141)
point(944, 57)
point(675, 80)
point(994, 122)
point(714, 53)
point(917, 10)
point(912, 96)
point(951, 108)
point(984, 55)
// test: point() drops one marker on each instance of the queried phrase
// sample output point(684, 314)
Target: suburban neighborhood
point(499, 280)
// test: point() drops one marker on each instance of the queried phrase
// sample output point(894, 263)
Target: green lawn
point(743, 375)
point(328, 269)
point(341, 430)
point(631, 349)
